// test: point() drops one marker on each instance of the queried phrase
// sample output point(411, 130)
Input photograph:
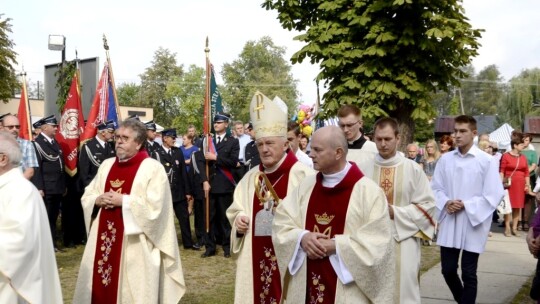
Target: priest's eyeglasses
point(122, 138)
point(350, 125)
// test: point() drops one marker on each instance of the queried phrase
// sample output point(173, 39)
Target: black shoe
point(208, 254)
point(196, 246)
point(227, 255)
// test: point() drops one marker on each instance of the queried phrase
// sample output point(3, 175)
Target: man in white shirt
point(243, 140)
point(467, 190)
point(293, 136)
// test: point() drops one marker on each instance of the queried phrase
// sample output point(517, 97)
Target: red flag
point(98, 112)
point(70, 128)
point(24, 114)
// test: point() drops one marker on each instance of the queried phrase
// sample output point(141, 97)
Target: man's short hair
point(386, 121)
point(347, 109)
point(412, 145)
point(238, 122)
point(138, 127)
point(293, 126)
point(468, 119)
point(10, 147)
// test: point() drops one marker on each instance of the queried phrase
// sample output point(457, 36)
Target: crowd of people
point(333, 218)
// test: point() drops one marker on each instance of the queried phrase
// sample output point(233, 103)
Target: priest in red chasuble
point(332, 235)
point(132, 252)
point(254, 202)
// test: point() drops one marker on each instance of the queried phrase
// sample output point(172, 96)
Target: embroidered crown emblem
point(117, 183)
point(324, 219)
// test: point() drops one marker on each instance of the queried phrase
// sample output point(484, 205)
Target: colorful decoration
point(303, 118)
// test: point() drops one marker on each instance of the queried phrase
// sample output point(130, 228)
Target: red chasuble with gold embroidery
point(111, 232)
point(326, 214)
point(266, 282)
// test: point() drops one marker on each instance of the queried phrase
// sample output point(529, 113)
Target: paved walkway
point(503, 268)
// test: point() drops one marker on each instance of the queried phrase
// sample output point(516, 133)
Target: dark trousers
point(463, 292)
point(219, 224)
point(73, 219)
point(200, 225)
point(52, 204)
point(182, 214)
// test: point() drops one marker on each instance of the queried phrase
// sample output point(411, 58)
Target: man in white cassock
point(252, 210)
point(132, 252)
point(332, 234)
point(411, 206)
point(467, 190)
point(28, 272)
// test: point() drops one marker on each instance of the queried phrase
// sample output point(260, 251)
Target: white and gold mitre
point(269, 117)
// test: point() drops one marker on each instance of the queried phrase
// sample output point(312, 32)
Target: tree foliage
point(384, 56)
point(64, 77)
point(129, 94)
point(8, 58)
point(188, 93)
point(522, 99)
point(260, 67)
point(154, 85)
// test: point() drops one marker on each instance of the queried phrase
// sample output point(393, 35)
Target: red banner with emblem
point(71, 127)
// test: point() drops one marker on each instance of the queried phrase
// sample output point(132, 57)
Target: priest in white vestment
point(251, 212)
point(132, 251)
point(332, 234)
point(28, 272)
point(411, 204)
point(467, 190)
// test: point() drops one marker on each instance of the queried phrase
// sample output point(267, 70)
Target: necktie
point(170, 152)
point(218, 139)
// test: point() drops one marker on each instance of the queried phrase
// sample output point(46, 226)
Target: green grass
point(522, 297)
point(209, 280)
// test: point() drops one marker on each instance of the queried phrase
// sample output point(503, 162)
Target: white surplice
point(365, 249)
point(28, 271)
point(408, 191)
point(304, 158)
point(474, 179)
point(151, 270)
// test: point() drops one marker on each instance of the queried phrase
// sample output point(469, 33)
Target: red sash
point(266, 279)
point(326, 214)
point(110, 233)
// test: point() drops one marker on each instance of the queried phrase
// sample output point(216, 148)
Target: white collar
point(100, 141)
point(47, 137)
point(331, 180)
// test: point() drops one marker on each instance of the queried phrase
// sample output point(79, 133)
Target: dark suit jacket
point(152, 148)
point(175, 168)
point(51, 165)
point(90, 158)
point(227, 158)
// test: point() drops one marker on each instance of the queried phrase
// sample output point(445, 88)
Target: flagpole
point(111, 76)
point(206, 127)
point(29, 115)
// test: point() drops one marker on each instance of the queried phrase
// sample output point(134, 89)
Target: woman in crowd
point(532, 158)
point(430, 158)
point(446, 143)
point(515, 175)
point(188, 148)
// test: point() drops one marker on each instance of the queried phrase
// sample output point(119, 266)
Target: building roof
point(484, 123)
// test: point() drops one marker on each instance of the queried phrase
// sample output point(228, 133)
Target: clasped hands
point(317, 245)
point(109, 200)
point(454, 206)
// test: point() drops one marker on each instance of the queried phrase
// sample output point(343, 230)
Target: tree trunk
point(406, 126)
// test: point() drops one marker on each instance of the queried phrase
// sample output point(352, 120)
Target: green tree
point(129, 94)
point(154, 85)
point(8, 58)
point(188, 92)
point(490, 91)
point(384, 56)
point(260, 67)
point(522, 99)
